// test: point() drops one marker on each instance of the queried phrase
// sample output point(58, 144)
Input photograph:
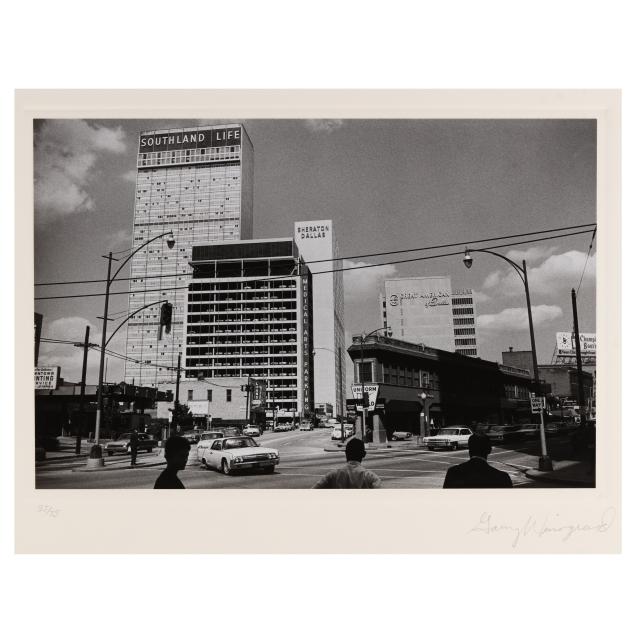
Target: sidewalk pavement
point(122, 462)
point(567, 473)
point(389, 446)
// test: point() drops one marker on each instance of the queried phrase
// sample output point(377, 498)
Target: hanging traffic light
point(166, 318)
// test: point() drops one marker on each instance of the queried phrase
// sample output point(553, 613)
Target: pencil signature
point(539, 527)
point(48, 510)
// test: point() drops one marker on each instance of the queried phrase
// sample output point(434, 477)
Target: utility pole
point(100, 384)
point(176, 414)
point(80, 417)
point(578, 360)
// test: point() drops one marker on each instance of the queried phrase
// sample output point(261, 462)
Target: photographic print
point(316, 302)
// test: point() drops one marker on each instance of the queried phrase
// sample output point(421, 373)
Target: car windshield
point(211, 435)
point(449, 431)
point(241, 442)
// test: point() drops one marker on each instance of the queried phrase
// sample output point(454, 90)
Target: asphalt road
point(302, 462)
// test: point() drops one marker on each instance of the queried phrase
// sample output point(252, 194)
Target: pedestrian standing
point(352, 475)
point(477, 472)
point(177, 451)
point(134, 448)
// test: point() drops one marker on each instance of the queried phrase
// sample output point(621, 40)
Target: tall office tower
point(427, 311)
point(249, 315)
point(197, 183)
point(316, 241)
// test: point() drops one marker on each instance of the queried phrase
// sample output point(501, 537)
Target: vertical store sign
point(307, 340)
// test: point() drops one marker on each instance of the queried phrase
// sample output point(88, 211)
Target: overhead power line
point(588, 253)
point(353, 268)
point(371, 255)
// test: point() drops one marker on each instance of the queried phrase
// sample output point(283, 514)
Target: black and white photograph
point(315, 303)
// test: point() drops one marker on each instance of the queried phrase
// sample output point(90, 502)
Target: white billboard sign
point(198, 407)
point(565, 343)
point(47, 377)
point(371, 389)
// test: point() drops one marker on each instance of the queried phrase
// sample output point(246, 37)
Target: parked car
point(306, 426)
point(530, 430)
point(206, 440)
point(232, 454)
point(499, 434)
point(283, 426)
point(453, 438)
point(122, 444)
point(251, 431)
point(401, 435)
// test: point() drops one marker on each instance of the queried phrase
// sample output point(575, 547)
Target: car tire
point(109, 453)
point(204, 464)
point(455, 446)
point(225, 468)
point(269, 469)
point(149, 449)
point(430, 447)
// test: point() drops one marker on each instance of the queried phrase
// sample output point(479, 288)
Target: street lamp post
point(109, 280)
point(545, 462)
point(362, 340)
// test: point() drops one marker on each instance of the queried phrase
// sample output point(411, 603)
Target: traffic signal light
point(165, 319)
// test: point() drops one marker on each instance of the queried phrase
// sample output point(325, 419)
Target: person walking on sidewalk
point(352, 475)
point(134, 448)
point(476, 472)
point(177, 451)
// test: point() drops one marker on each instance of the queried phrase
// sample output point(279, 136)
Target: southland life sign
point(189, 140)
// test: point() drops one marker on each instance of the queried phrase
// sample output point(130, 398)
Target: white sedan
point(448, 439)
point(232, 454)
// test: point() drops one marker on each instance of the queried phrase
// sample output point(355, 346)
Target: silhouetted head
point(479, 445)
point(355, 450)
point(177, 449)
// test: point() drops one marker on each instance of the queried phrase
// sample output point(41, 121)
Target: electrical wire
point(356, 268)
point(372, 255)
point(587, 260)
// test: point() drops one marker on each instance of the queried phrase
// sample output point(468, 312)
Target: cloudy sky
point(386, 184)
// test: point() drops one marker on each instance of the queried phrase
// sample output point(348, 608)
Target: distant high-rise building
point(249, 314)
point(316, 242)
point(198, 183)
point(427, 311)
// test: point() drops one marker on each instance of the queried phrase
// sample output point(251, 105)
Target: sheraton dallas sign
point(189, 140)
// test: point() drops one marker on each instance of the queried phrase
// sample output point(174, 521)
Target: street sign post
point(537, 404)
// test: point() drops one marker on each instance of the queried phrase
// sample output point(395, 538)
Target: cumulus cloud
point(557, 273)
point(532, 254)
point(130, 176)
point(121, 238)
point(324, 125)
point(479, 296)
point(65, 155)
point(361, 284)
point(515, 319)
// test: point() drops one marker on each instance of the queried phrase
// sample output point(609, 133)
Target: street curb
point(537, 475)
point(107, 468)
point(388, 449)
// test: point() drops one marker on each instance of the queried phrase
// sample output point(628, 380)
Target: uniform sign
point(371, 389)
point(537, 404)
point(47, 377)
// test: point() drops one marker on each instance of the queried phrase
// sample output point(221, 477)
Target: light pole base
point(545, 464)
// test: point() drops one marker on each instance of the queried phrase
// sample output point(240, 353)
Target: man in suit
point(476, 472)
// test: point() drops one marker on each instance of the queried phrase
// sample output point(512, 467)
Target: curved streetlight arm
point(137, 311)
point(519, 270)
point(123, 264)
